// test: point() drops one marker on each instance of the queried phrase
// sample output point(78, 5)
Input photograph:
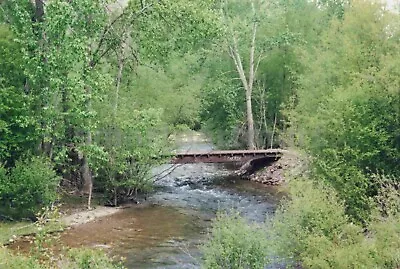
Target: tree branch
point(252, 51)
point(238, 63)
point(110, 27)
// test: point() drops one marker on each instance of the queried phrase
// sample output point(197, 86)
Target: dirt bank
point(291, 165)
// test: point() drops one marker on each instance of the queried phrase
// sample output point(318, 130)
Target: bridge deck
point(224, 156)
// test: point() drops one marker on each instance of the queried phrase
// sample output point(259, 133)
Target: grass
point(9, 231)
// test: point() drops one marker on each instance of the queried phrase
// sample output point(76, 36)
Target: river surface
point(168, 229)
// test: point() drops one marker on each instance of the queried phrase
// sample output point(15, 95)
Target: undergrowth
point(311, 229)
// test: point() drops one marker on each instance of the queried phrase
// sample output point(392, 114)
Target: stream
point(168, 229)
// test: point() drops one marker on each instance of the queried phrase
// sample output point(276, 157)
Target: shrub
point(123, 163)
point(235, 244)
point(31, 184)
point(313, 229)
point(88, 259)
point(312, 216)
point(4, 191)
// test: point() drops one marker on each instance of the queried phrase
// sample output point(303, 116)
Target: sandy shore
point(86, 216)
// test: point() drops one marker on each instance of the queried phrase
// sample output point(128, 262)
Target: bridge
point(226, 156)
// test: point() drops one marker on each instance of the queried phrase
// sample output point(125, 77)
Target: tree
point(61, 57)
point(18, 127)
point(68, 45)
point(233, 28)
point(134, 134)
point(71, 53)
point(262, 43)
point(347, 111)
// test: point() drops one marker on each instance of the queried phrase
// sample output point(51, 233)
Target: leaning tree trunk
point(248, 86)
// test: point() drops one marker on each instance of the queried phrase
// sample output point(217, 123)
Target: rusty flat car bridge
point(226, 156)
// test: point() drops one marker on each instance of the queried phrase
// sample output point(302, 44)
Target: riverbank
point(72, 212)
point(168, 229)
point(292, 164)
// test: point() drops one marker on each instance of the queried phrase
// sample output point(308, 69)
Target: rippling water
point(168, 229)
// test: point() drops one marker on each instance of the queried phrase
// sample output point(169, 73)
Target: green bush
point(360, 139)
point(235, 244)
point(30, 185)
point(313, 215)
point(312, 229)
point(88, 259)
point(123, 163)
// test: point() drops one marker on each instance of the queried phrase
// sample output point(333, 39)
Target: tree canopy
point(91, 91)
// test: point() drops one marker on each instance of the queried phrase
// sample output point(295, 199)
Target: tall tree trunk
point(86, 173)
point(118, 81)
point(250, 122)
point(45, 146)
point(39, 10)
point(249, 91)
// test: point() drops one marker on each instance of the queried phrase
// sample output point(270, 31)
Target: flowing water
point(168, 229)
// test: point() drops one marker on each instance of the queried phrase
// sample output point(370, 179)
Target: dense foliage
point(18, 129)
point(31, 184)
point(75, 86)
point(310, 229)
point(91, 91)
point(234, 244)
point(343, 108)
point(314, 229)
point(347, 107)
